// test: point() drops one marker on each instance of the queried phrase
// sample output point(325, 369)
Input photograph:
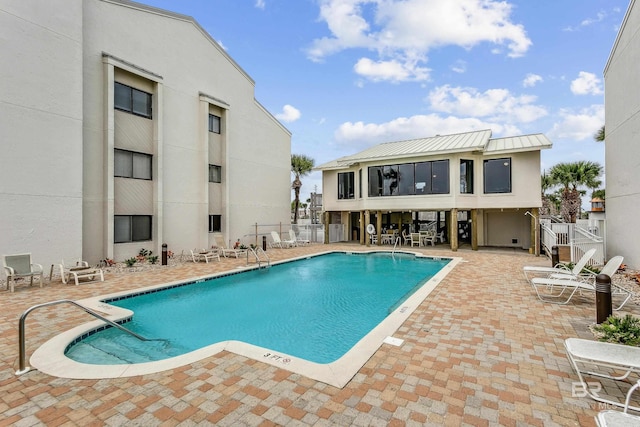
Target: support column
point(326, 227)
point(453, 228)
point(474, 229)
point(379, 227)
point(535, 232)
point(363, 226)
point(367, 218)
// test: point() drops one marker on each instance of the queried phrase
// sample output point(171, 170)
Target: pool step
point(121, 349)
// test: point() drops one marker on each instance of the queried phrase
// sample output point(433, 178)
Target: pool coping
point(49, 358)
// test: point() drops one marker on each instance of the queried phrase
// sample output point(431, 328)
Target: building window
point(497, 176)
point(132, 100)
point(129, 164)
point(409, 179)
point(466, 176)
point(131, 228)
point(215, 173)
point(432, 177)
point(360, 183)
point(346, 185)
point(375, 181)
point(406, 179)
point(214, 123)
point(215, 223)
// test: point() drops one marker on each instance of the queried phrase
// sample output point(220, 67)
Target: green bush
point(152, 259)
point(130, 262)
point(619, 330)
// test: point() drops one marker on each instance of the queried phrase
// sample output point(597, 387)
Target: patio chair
point(612, 418)
point(228, 251)
point(428, 237)
point(415, 239)
point(536, 270)
point(204, 255)
point(20, 265)
point(80, 270)
point(572, 284)
point(279, 243)
point(604, 360)
point(296, 240)
point(406, 238)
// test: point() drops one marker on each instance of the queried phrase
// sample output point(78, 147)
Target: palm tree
point(301, 165)
point(599, 135)
point(546, 184)
point(572, 176)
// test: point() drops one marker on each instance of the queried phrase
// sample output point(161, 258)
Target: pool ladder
point(23, 368)
point(257, 253)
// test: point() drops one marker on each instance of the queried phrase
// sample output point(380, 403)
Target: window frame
point(219, 173)
point(131, 95)
point(132, 167)
point(212, 123)
point(215, 223)
point(346, 182)
point(132, 229)
point(506, 161)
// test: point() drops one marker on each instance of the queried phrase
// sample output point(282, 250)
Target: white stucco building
point(476, 189)
point(622, 147)
point(126, 127)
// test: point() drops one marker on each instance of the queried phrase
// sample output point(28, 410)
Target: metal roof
point(479, 141)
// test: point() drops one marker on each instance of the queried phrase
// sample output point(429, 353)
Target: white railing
point(577, 238)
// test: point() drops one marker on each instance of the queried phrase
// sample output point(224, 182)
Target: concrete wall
point(41, 130)
point(622, 147)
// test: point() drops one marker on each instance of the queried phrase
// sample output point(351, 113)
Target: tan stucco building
point(125, 127)
point(622, 147)
point(478, 190)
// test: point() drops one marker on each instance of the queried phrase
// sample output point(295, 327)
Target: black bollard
point(555, 256)
point(603, 298)
point(164, 254)
point(264, 243)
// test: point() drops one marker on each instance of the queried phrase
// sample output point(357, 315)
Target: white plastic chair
point(537, 270)
point(20, 265)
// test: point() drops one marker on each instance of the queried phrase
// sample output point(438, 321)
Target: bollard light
point(603, 298)
point(164, 254)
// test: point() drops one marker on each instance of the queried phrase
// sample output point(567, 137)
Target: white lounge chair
point(279, 243)
point(20, 265)
point(204, 255)
point(604, 360)
point(227, 251)
point(295, 240)
point(531, 271)
point(80, 270)
point(572, 285)
point(611, 418)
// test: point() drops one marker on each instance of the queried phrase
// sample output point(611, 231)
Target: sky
point(344, 75)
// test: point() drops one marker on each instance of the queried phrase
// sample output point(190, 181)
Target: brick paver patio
point(480, 350)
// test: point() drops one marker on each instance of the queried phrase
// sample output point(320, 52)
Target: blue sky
point(343, 75)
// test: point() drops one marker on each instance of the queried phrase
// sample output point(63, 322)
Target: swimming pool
point(273, 332)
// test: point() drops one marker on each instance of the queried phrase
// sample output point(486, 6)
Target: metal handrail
point(23, 368)
point(256, 253)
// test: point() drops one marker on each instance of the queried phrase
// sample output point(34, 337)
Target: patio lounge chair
point(279, 243)
point(80, 270)
point(537, 270)
point(227, 251)
point(295, 240)
point(611, 417)
point(20, 265)
point(572, 285)
point(204, 255)
point(604, 360)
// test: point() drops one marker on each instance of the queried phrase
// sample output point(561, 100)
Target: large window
point(497, 176)
point(346, 185)
point(132, 228)
point(132, 100)
point(466, 176)
point(214, 123)
point(129, 164)
point(215, 223)
point(409, 179)
point(215, 173)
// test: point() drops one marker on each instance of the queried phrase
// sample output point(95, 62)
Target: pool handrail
point(23, 368)
point(256, 253)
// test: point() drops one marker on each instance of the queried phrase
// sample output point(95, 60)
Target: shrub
point(152, 259)
point(620, 330)
point(130, 262)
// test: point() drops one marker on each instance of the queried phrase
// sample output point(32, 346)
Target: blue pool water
point(315, 309)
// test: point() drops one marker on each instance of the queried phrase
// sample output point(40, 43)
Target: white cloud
point(260, 4)
point(459, 66)
point(499, 105)
point(587, 84)
point(359, 135)
point(392, 71)
point(580, 125)
point(531, 80)
point(289, 114)
point(403, 31)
